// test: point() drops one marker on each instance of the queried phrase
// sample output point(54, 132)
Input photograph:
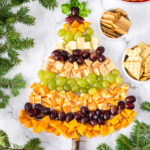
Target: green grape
point(81, 82)
point(68, 36)
point(91, 78)
point(61, 32)
point(87, 37)
point(115, 72)
point(71, 81)
point(77, 35)
point(60, 81)
point(97, 85)
point(105, 84)
point(92, 91)
point(51, 84)
point(75, 88)
point(89, 31)
point(119, 80)
point(43, 82)
point(59, 88)
point(110, 78)
point(88, 86)
point(83, 90)
point(67, 87)
point(41, 74)
point(50, 75)
point(100, 78)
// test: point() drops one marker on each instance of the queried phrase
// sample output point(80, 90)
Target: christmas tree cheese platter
point(80, 92)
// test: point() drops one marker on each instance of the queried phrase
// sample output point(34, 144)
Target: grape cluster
point(38, 111)
point(79, 56)
point(90, 84)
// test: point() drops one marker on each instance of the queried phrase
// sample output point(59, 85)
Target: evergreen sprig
point(11, 43)
point(145, 106)
point(32, 144)
point(139, 139)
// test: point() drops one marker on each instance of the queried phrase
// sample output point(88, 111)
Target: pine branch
point(139, 139)
point(4, 100)
point(23, 17)
point(32, 144)
point(50, 4)
point(103, 146)
point(145, 106)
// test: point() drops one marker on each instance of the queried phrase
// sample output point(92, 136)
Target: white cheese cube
point(72, 45)
point(94, 42)
point(87, 45)
point(80, 42)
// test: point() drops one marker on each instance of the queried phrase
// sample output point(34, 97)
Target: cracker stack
point(137, 62)
point(115, 23)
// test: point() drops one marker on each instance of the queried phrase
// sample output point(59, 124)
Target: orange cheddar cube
point(88, 134)
point(46, 119)
point(73, 30)
point(56, 132)
point(86, 24)
point(66, 109)
point(96, 128)
point(28, 124)
point(118, 126)
point(49, 129)
point(95, 133)
point(22, 114)
point(124, 123)
point(70, 95)
point(76, 109)
point(75, 24)
point(75, 136)
point(81, 28)
point(66, 26)
point(111, 129)
point(104, 130)
point(133, 114)
point(89, 127)
point(128, 112)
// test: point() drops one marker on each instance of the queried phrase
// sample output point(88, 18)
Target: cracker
point(120, 31)
point(144, 78)
point(108, 17)
point(135, 52)
point(145, 50)
point(134, 68)
point(109, 35)
point(147, 66)
point(146, 74)
point(134, 58)
point(121, 12)
point(123, 23)
point(106, 25)
point(107, 21)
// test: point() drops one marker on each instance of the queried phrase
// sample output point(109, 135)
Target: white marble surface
point(45, 34)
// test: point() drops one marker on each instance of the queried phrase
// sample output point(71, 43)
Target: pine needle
point(139, 139)
point(145, 106)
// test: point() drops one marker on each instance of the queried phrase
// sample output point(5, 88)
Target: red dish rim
point(136, 1)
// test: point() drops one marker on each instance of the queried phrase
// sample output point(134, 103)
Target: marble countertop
point(45, 34)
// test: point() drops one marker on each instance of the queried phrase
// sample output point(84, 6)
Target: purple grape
point(33, 112)
point(75, 11)
point(72, 58)
point(86, 54)
point(61, 116)
point(100, 50)
point(69, 117)
point(121, 105)
point(101, 58)
point(80, 60)
point(93, 56)
point(91, 114)
point(38, 107)
point(53, 114)
point(100, 121)
point(46, 111)
point(64, 55)
point(84, 120)
point(84, 110)
point(77, 52)
point(93, 122)
point(28, 106)
point(77, 116)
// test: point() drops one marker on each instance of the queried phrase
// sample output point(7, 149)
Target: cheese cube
point(80, 42)
point(72, 45)
point(94, 42)
point(60, 45)
point(59, 65)
point(87, 45)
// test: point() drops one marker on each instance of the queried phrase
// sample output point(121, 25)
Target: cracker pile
point(137, 62)
point(115, 23)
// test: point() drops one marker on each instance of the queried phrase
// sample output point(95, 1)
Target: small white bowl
point(128, 76)
point(113, 9)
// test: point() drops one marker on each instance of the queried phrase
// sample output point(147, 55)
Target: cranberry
point(121, 105)
point(28, 106)
point(61, 116)
point(130, 99)
point(80, 60)
point(70, 19)
point(93, 122)
point(86, 54)
point(100, 50)
point(93, 56)
point(84, 120)
point(101, 58)
point(75, 11)
point(72, 58)
point(69, 117)
point(84, 110)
